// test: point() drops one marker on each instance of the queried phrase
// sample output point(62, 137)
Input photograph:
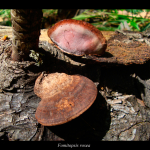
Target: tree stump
point(118, 113)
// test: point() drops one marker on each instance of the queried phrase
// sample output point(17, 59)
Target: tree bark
point(66, 13)
point(118, 113)
point(26, 31)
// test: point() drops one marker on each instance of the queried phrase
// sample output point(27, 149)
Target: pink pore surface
point(75, 39)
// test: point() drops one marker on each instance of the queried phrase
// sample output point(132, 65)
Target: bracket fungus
point(77, 38)
point(63, 97)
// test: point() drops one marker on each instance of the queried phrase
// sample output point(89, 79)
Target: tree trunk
point(26, 31)
point(66, 13)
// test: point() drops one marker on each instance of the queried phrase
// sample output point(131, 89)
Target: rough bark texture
point(26, 31)
point(120, 112)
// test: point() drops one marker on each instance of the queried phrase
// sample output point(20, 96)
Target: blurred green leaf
point(135, 25)
point(83, 16)
point(146, 27)
point(134, 11)
point(5, 13)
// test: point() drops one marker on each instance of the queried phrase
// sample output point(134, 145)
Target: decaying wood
point(118, 113)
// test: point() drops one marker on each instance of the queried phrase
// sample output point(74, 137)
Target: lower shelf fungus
point(63, 97)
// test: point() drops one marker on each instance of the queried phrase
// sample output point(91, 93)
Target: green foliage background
point(103, 19)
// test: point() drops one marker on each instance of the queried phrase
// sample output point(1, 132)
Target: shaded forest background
point(103, 19)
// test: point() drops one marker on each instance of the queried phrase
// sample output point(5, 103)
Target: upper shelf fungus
point(77, 38)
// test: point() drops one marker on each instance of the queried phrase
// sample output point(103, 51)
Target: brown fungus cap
point(77, 38)
point(64, 97)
